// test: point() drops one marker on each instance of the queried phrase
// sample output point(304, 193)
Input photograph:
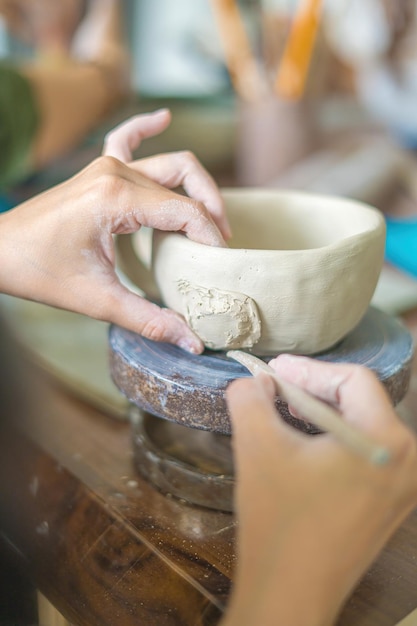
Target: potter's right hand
point(312, 514)
point(58, 248)
point(170, 170)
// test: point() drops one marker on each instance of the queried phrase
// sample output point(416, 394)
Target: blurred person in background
point(78, 74)
point(377, 39)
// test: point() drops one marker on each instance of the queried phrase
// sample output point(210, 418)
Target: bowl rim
point(377, 229)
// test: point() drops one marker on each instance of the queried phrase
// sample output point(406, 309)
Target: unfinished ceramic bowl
point(299, 274)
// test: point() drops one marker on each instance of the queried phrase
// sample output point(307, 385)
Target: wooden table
point(107, 548)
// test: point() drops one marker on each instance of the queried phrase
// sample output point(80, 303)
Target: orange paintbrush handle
point(241, 63)
point(292, 73)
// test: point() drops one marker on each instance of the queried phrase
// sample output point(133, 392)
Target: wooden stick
point(241, 63)
point(293, 69)
point(318, 412)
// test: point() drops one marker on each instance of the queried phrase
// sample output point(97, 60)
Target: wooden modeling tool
point(318, 412)
point(244, 72)
point(295, 62)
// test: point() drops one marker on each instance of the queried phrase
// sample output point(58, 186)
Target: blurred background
point(224, 68)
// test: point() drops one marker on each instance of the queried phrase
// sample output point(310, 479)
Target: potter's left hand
point(57, 248)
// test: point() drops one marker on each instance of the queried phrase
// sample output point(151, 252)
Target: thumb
point(137, 314)
point(127, 136)
point(255, 420)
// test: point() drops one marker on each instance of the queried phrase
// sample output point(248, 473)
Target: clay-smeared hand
point(312, 514)
point(170, 170)
point(58, 248)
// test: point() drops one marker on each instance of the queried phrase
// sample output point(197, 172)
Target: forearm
point(283, 595)
point(268, 615)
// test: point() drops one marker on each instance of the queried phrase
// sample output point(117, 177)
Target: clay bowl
point(298, 275)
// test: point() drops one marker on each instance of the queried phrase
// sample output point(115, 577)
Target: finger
point(128, 200)
point(255, 420)
point(183, 168)
point(354, 389)
point(157, 207)
point(127, 137)
point(133, 312)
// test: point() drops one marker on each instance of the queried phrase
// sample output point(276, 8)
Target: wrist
point(278, 607)
point(7, 252)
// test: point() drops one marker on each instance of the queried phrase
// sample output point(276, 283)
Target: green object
point(19, 119)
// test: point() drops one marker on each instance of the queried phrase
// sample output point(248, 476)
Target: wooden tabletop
point(107, 548)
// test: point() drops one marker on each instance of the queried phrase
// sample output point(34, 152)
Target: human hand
point(170, 170)
point(312, 514)
point(58, 248)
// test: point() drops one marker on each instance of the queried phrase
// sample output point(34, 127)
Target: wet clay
point(221, 318)
point(299, 273)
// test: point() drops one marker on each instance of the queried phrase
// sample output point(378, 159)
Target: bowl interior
point(270, 220)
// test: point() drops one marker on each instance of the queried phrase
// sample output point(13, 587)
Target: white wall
point(176, 48)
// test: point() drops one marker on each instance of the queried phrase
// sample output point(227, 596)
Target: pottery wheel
point(190, 389)
point(179, 417)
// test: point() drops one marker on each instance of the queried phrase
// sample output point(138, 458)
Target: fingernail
point(290, 358)
point(163, 110)
point(228, 231)
point(284, 360)
point(190, 345)
point(217, 240)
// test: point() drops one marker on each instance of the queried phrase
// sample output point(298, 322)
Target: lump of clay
point(222, 319)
